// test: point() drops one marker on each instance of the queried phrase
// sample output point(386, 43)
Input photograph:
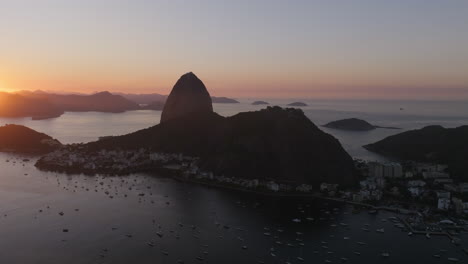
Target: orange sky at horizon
point(237, 87)
point(244, 48)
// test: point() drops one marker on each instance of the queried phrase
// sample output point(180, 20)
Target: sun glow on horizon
point(257, 49)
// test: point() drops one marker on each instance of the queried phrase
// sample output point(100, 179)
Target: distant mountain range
point(99, 102)
point(15, 105)
point(42, 105)
point(155, 97)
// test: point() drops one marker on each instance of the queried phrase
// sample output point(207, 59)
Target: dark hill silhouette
point(22, 139)
point(99, 102)
point(274, 143)
point(188, 96)
point(429, 144)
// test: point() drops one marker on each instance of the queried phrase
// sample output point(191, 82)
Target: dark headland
point(434, 144)
point(16, 138)
point(272, 144)
point(353, 124)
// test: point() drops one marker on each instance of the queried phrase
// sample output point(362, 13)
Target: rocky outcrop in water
point(189, 96)
point(354, 124)
point(298, 104)
point(351, 124)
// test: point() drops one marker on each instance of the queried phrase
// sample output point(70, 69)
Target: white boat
point(385, 255)
point(381, 230)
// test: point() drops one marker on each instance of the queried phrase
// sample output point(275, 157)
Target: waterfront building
point(328, 187)
point(435, 175)
point(443, 194)
point(463, 187)
point(389, 170)
point(272, 186)
point(416, 183)
point(443, 181)
point(443, 204)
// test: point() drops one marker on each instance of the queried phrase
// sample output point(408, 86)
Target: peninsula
point(273, 144)
point(16, 138)
point(434, 144)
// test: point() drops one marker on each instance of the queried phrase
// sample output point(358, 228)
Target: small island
point(299, 104)
point(260, 103)
point(354, 124)
point(16, 138)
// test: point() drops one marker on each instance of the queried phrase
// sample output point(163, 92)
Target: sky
point(405, 49)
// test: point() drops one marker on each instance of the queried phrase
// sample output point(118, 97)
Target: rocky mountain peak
point(189, 95)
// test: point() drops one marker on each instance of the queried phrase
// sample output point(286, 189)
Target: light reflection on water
point(33, 236)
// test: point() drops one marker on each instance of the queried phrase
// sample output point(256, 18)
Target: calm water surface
point(117, 219)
